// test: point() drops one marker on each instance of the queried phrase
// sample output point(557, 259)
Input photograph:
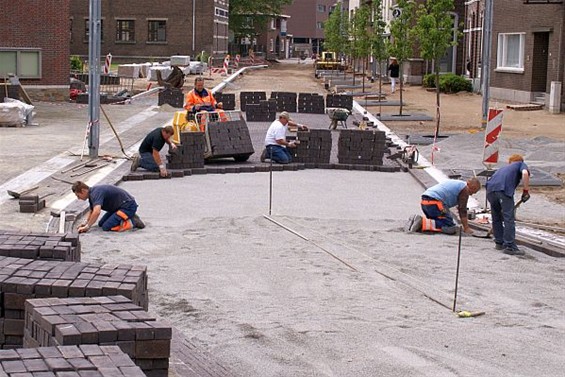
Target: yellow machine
point(328, 60)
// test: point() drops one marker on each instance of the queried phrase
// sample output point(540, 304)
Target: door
point(539, 62)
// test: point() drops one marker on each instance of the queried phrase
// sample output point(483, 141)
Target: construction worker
point(275, 140)
point(500, 194)
point(200, 100)
point(149, 157)
point(436, 202)
point(119, 205)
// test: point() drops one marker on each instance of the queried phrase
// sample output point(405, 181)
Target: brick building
point(150, 30)
point(34, 45)
point(274, 41)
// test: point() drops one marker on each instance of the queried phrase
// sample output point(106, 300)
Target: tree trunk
point(400, 84)
point(438, 114)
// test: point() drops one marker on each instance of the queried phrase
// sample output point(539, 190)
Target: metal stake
point(457, 273)
point(270, 180)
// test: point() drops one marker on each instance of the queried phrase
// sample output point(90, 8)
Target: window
point(87, 30)
point(319, 25)
point(125, 31)
point(156, 31)
point(321, 8)
point(25, 63)
point(510, 56)
point(273, 25)
point(222, 13)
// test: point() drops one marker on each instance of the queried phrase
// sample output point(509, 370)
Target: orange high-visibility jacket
point(206, 100)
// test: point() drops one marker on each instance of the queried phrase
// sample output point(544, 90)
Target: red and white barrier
point(226, 65)
point(492, 132)
point(236, 62)
point(107, 63)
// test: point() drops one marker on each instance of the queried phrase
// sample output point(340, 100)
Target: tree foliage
point(360, 32)
point(378, 44)
point(248, 15)
point(336, 32)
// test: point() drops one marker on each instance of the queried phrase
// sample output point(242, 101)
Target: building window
point(510, 54)
point(222, 13)
point(24, 63)
point(319, 25)
point(321, 8)
point(156, 31)
point(87, 30)
point(125, 31)
point(273, 25)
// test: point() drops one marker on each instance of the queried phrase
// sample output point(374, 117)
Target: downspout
point(455, 44)
point(193, 25)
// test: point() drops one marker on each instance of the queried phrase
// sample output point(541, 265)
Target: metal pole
point(457, 273)
point(270, 180)
point(485, 60)
point(94, 77)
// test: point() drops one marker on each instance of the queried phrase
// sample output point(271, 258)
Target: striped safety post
point(226, 65)
point(210, 64)
point(492, 133)
point(252, 57)
point(236, 62)
point(107, 63)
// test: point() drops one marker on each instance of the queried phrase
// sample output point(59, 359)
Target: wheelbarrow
point(338, 116)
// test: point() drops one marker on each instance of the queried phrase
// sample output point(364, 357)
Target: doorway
point(539, 62)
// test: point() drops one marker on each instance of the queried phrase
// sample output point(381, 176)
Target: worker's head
point(515, 158)
point(474, 185)
point(167, 132)
point(199, 84)
point(284, 117)
point(80, 189)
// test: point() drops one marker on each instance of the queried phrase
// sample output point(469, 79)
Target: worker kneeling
point(275, 140)
point(436, 202)
point(119, 205)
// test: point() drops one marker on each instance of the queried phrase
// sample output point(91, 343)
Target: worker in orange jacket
point(200, 99)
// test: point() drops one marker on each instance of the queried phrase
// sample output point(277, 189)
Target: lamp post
point(485, 60)
point(94, 78)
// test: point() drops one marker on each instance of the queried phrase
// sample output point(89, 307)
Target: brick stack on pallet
point(23, 279)
point(311, 103)
point(31, 203)
point(171, 96)
point(230, 139)
point(315, 147)
point(107, 320)
point(44, 246)
point(344, 101)
point(264, 111)
point(69, 361)
point(227, 99)
point(190, 153)
point(253, 98)
point(361, 147)
point(286, 101)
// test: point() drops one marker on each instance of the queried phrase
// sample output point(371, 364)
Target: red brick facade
point(26, 24)
point(185, 32)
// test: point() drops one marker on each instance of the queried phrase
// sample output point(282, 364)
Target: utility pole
point(94, 33)
point(485, 60)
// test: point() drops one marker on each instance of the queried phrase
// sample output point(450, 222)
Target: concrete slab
point(404, 117)
point(370, 102)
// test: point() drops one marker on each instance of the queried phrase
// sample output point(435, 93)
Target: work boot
point(498, 246)
point(264, 155)
point(513, 250)
point(417, 224)
point(137, 222)
point(135, 162)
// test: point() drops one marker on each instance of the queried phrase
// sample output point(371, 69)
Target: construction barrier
point(236, 62)
point(107, 63)
point(226, 65)
point(492, 132)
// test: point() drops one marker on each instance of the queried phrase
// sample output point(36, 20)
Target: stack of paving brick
point(253, 98)
point(264, 111)
point(339, 100)
point(68, 361)
point(22, 279)
point(227, 99)
point(45, 246)
point(230, 139)
point(315, 147)
point(107, 320)
point(286, 101)
point(31, 203)
point(171, 96)
point(361, 147)
point(190, 152)
point(311, 103)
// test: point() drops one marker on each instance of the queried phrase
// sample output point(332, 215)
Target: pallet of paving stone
point(23, 279)
point(190, 153)
point(68, 361)
point(227, 100)
point(286, 101)
point(105, 320)
point(264, 111)
point(171, 96)
point(339, 100)
point(315, 146)
point(246, 98)
point(229, 139)
point(311, 103)
point(43, 246)
point(364, 147)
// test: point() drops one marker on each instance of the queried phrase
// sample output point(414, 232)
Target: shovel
point(489, 233)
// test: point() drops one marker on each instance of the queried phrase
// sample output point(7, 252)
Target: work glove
point(525, 196)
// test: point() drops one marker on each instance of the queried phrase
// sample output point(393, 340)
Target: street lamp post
point(94, 78)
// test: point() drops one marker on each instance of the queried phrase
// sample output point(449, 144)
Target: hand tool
point(489, 233)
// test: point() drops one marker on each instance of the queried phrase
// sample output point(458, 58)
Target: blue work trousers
point(113, 219)
point(503, 222)
point(147, 162)
point(435, 210)
point(279, 154)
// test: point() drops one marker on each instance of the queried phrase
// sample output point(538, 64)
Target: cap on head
point(285, 115)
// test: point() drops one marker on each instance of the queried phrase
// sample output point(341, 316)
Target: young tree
point(378, 45)
point(434, 31)
point(336, 32)
point(401, 44)
point(361, 41)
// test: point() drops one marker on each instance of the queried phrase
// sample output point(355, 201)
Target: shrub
point(448, 83)
point(76, 63)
